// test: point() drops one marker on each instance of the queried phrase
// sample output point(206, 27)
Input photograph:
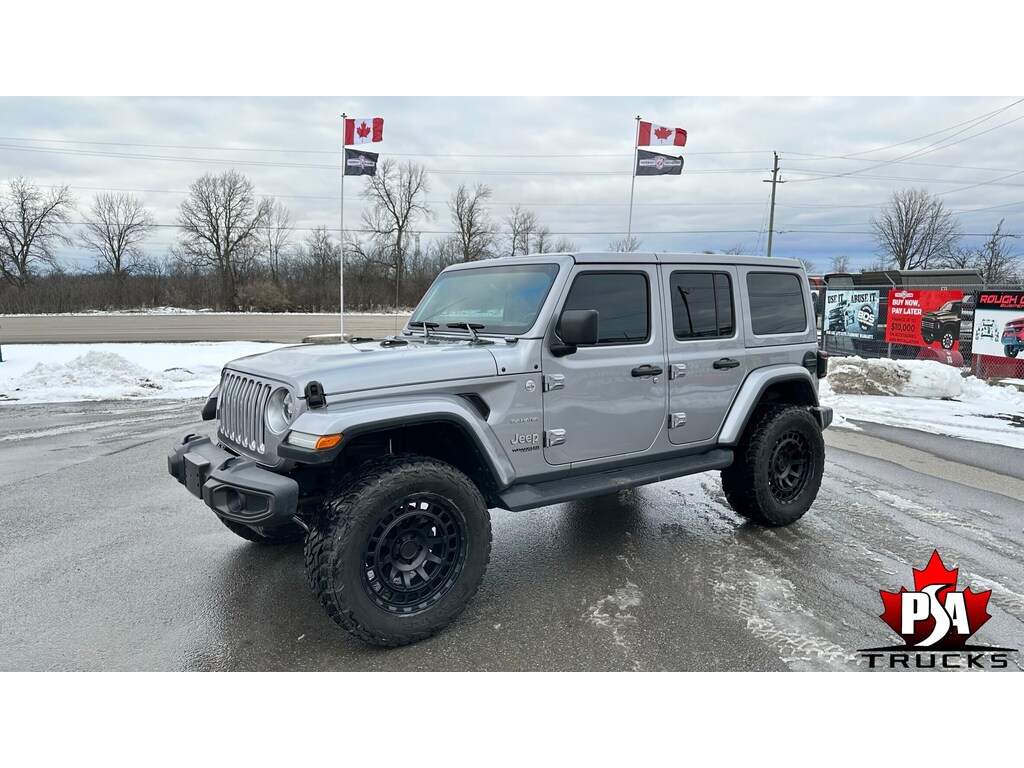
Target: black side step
point(525, 496)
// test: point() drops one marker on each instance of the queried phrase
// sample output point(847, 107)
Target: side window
point(622, 302)
point(776, 303)
point(701, 305)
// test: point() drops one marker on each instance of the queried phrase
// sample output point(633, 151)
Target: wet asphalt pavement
point(106, 563)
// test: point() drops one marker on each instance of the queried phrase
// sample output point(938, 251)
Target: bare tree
point(474, 230)
point(958, 258)
point(117, 226)
point(31, 225)
point(914, 230)
point(625, 245)
point(808, 264)
point(220, 224)
point(397, 195)
point(998, 264)
point(841, 263)
point(319, 257)
point(521, 225)
point(275, 237)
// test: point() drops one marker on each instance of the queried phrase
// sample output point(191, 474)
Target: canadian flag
point(651, 135)
point(363, 130)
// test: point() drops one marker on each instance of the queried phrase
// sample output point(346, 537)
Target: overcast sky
point(568, 159)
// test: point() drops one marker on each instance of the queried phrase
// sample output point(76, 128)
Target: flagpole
point(632, 186)
point(341, 239)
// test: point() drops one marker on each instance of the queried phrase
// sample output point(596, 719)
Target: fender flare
point(750, 393)
point(359, 418)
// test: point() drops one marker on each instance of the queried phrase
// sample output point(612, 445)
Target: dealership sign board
point(922, 318)
point(851, 313)
point(999, 324)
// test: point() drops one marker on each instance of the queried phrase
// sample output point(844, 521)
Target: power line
point(925, 150)
point(337, 168)
point(337, 153)
point(975, 120)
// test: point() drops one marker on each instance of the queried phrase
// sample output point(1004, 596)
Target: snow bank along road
point(107, 563)
point(286, 328)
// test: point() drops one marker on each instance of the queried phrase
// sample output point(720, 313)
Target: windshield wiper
point(426, 327)
point(471, 327)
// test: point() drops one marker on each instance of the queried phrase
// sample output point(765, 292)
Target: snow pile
point(923, 395)
point(910, 378)
point(46, 373)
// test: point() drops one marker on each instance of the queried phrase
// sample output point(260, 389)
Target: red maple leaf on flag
point(662, 132)
point(935, 591)
point(363, 130)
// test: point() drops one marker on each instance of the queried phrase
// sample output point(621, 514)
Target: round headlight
point(280, 410)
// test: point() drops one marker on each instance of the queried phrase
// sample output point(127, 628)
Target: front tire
point(398, 551)
point(1010, 351)
point(778, 466)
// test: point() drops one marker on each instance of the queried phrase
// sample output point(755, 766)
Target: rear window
point(776, 303)
point(701, 305)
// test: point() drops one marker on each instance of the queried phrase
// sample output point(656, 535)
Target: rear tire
point(948, 338)
point(288, 533)
point(1010, 351)
point(778, 466)
point(397, 551)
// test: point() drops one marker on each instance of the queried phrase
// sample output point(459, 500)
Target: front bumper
point(234, 487)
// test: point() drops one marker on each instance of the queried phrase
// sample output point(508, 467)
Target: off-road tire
point(340, 541)
point(778, 466)
point(281, 534)
point(1010, 351)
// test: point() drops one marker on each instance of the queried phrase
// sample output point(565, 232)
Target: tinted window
point(501, 299)
point(776, 303)
point(621, 301)
point(701, 305)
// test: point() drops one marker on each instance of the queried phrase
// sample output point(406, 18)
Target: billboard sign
point(851, 313)
point(923, 318)
point(999, 324)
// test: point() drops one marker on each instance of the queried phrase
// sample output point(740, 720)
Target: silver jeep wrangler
point(517, 383)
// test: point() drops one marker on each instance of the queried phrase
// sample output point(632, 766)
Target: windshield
point(504, 300)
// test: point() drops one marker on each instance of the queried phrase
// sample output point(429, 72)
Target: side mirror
point(577, 327)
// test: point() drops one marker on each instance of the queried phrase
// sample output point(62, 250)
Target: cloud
point(568, 159)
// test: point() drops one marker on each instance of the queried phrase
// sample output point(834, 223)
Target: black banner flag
point(654, 164)
point(359, 163)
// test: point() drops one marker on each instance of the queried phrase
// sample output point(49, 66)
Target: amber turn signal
point(327, 441)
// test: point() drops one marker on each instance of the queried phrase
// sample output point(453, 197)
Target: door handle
point(725, 362)
point(646, 370)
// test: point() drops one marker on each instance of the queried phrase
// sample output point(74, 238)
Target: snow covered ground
point(916, 394)
point(50, 373)
point(923, 395)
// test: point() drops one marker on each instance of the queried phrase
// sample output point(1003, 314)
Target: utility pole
point(771, 216)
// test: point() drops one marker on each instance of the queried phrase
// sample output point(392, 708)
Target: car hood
point(344, 368)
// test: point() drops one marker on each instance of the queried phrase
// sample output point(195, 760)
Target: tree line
point(915, 230)
point(235, 250)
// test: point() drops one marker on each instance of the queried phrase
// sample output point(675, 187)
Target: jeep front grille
point(240, 407)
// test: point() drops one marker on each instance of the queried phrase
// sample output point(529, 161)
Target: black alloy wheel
point(790, 465)
point(414, 554)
